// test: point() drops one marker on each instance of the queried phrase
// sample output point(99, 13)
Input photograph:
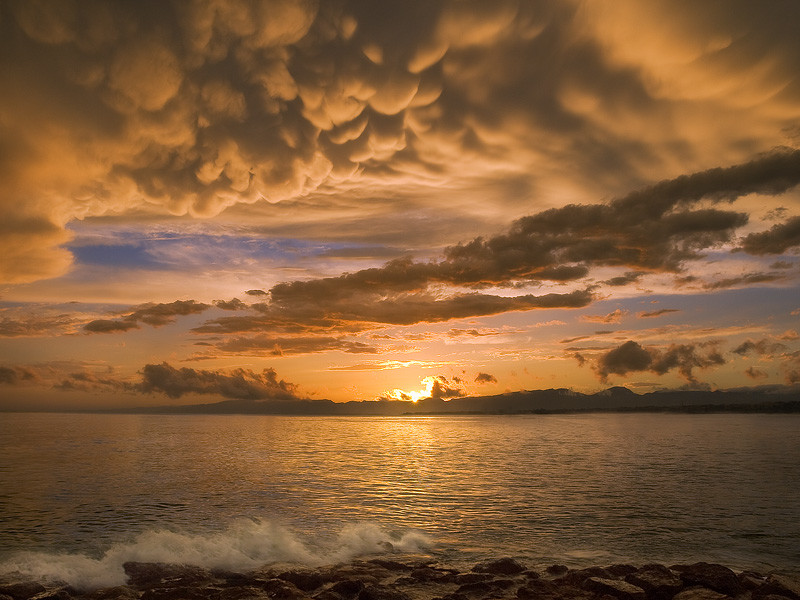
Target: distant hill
point(619, 399)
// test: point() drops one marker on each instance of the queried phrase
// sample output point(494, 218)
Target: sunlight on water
point(239, 491)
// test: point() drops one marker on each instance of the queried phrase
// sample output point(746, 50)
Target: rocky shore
point(380, 579)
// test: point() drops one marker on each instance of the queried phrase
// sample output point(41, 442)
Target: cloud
point(656, 313)
point(754, 373)
point(763, 347)
point(237, 383)
point(775, 240)
point(16, 375)
point(152, 314)
point(632, 357)
point(485, 378)
point(34, 325)
point(439, 387)
point(612, 317)
point(268, 345)
point(233, 304)
point(746, 279)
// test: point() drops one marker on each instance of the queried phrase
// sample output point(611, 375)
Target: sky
point(360, 200)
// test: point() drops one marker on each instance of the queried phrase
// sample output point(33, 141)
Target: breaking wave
point(244, 546)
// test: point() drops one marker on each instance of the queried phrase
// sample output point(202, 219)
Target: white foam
point(245, 545)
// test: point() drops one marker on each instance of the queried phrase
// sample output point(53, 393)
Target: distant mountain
point(774, 399)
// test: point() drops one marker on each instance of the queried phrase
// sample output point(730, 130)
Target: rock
point(483, 588)
point(58, 594)
point(751, 581)
point(621, 570)
point(305, 580)
point(501, 566)
point(578, 576)
point(374, 592)
point(147, 575)
point(657, 581)
point(4, 597)
point(120, 592)
point(347, 588)
point(556, 569)
point(700, 593)
point(463, 578)
point(715, 577)
point(784, 585)
point(618, 589)
point(282, 590)
point(22, 590)
point(433, 575)
point(391, 565)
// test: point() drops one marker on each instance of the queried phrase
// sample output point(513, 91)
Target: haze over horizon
point(356, 200)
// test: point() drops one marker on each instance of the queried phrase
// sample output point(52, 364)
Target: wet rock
point(433, 575)
point(622, 590)
point(751, 581)
point(57, 594)
point(484, 588)
point(347, 588)
point(143, 575)
point(5, 597)
point(374, 592)
point(241, 593)
point(391, 565)
point(282, 590)
point(305, 580)
point(578, 576)
point(175, 593)
point(22, 590)
point(657, 581)
point(556, 569)
point(501, 566)
point(715, 577)
point(784, 585)
point(463, 578)
point(621, 570)
point(120, 592)
point(700, 593)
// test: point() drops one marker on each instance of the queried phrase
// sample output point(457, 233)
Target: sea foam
point(245, 545)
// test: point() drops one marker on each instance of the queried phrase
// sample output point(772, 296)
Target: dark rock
point(613, 587)
point(391, 565)
point(58, 594)
point(22, 590)
point(501, 566)
point(700, 593)
point(175, 593)
point(784, 585)
point(120, 592)
point(433, 575)
point(773, 597)
point(143, 575)
point(483, 588)
point(4, 597)
point(657, 580)
point(578, 576)
point(463, 578)
point(556, 569)
point(241, 593)
point(328, 595)
point(715, 577)
point(348, 587)
point(621, 570)
point(305, 580)
point(282, 590)
point(751, 581)
point(374, 592)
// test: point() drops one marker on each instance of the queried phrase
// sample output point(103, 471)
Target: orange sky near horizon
point(354, 200)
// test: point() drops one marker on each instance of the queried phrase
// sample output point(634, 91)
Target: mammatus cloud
point(191, 108)
point(632, 357)
point(155, 315)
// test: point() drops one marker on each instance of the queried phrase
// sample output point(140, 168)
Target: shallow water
point(239, 491)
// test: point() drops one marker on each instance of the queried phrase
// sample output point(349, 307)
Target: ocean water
point(82, 494)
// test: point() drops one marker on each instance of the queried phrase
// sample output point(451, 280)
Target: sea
point(81, 494)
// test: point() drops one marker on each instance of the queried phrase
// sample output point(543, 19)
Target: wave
point(243, 546)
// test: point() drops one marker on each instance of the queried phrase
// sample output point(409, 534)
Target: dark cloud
point(485, 378)
point(293, 345)
point(629, 277)
point(16, 375)
point(238, 383)
point(234, 304)
point(763, 347)
point(152, 314)
point(754, 373)
point(256, 293)
point(33, 325)
point(440, 387)
point(775, 240)
point(656, 313)
point(612, 317)
point(632, 357)
point(746, 279)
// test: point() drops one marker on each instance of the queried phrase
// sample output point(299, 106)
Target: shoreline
point(390, 579)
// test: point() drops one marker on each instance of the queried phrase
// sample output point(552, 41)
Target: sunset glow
point(361, 201)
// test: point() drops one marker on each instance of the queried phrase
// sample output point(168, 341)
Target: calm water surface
point(228, 489)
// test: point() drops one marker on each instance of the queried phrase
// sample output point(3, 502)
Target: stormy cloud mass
point(372, 201)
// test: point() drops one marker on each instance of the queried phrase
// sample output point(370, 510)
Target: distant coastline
point(774, 400)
